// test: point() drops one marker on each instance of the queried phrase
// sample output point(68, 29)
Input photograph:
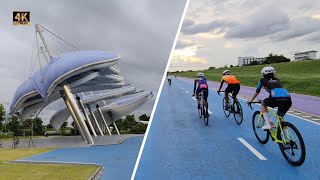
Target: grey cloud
point(184, 43)
point(264, 21)
point(298, 27)
point(192, 28)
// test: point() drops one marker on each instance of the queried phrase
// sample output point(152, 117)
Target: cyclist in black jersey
point(278, 96)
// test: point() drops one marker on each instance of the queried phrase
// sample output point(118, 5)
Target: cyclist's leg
point(205, 94)
point(197, 96)
point(235, 92)
point(226, 92)
point(264, 108)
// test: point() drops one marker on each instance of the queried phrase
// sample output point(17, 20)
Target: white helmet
point(268, 70)
point(226, 72)
point(200, 74)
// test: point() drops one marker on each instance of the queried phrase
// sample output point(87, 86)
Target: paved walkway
point(118, 160)
point(308, 104)
point(69, 141)
point(180, 146)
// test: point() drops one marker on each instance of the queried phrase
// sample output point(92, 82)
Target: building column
point(74, 118)
point(114, 123)
point(103, 119)
point(95, 120)
point(86, 116)
point(76, 110)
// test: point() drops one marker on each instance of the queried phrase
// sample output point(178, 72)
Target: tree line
point(34, 126)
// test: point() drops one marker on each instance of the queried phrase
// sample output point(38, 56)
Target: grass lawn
point(39, 171)
point(20, 137)
point(301, 77)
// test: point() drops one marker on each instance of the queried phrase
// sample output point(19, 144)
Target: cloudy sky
point(142, 32)
point(215, 32)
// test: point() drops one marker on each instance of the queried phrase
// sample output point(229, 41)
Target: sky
point(141, 32)
point(215, 33)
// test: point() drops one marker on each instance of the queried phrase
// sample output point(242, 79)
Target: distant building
point(305, 55)
point(248, 59)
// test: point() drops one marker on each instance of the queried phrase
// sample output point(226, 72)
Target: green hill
point(301, 77)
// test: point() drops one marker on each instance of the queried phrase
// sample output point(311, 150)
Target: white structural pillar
point(74, 118)
point(114, 123)
point(103, 119)
point(76, 110)
point(86, 116)
point(95, 120)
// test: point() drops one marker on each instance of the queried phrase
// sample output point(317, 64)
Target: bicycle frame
point(273, 132)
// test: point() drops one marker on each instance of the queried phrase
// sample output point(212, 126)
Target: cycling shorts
point(283, 104)
point(233, 88)
point(205, 93)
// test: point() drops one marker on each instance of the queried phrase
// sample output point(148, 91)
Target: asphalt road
point(180, 146)
point(118, 160)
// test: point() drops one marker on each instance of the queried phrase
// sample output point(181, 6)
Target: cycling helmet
point(268, 70)
point(200, 74)
point(226, 72)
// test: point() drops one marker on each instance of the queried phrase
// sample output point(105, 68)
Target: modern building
point(305, 55)
point(248, 59)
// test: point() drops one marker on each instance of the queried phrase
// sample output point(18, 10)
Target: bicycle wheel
point(205, 116)
point(237, 113)
point(261, 135)
point(293, 149)
point(226, 111)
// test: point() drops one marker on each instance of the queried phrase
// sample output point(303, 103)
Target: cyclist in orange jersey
point(233, 86)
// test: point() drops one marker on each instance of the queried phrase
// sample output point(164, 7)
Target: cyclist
point(278, 96)
point(200, 84)
point(233, 86)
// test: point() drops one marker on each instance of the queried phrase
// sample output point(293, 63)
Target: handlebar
point(254, 102)
point(220, 92)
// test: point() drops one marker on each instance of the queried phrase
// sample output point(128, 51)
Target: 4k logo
point(21, 18)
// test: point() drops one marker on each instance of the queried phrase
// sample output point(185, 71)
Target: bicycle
point(234, 107)
point(282, 135)
point(203, 112)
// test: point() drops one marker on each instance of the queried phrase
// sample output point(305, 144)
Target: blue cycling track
point(118, 160)
point(180, 146)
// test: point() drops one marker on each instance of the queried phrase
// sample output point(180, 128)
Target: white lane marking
point(194, 98)
point(290, 111)
point(306, 116)
point(303, 118)
point(297, 113)
point(253, 150)
point(316, 119)
point(209, 111)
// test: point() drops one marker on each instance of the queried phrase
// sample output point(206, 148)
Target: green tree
point(254, 63)
point(129, 122)
point(139, 128)
point(144, 117)
point(274, 58)
point(14, 124)
point(63, 128)
point(37, 126)
point(49, 126)
point(2, 116)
